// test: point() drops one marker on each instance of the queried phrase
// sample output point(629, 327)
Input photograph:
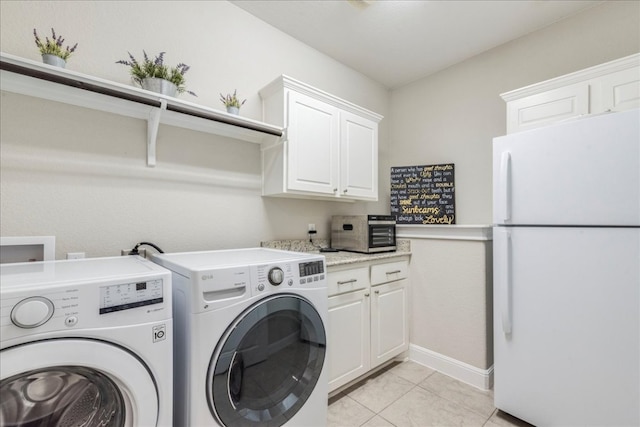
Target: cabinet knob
point(366, 295)
point(335, 190)
point(377, 292)
point(345, 190)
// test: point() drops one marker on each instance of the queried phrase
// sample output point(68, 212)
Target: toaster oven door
point(382, 236)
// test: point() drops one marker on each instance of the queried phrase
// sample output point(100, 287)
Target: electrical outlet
point(141, 252)
point(75, 255)
point(312, 227)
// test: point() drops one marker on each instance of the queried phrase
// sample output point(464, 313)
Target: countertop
point(336, 258)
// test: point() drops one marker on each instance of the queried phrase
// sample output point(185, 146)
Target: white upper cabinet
point(314, 157)
point(329, 149)
point(358, 156)
point(613, 86)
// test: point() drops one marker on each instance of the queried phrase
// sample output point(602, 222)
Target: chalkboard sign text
point(423, 194)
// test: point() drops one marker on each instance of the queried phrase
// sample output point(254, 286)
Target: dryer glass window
point(61, 396)
point(268, 363)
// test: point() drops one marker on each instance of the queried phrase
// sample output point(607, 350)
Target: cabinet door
point(548, 107)
point(313, 145)
point(348, 337)
point(621, 90)
point(358, 157)
point(389, 321)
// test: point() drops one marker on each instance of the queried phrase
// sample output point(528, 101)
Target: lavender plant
point(231, 100)
point(53, 46)
point(156, 68)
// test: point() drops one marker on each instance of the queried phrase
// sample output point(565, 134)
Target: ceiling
point(395, 42)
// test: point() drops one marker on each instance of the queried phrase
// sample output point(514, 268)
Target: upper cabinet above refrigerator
point(612, 86)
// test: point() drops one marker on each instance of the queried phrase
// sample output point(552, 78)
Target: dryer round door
point(75, 382)
point(267, 363)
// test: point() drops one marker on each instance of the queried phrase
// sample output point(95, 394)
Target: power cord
point(135, 251)
point(311, 233)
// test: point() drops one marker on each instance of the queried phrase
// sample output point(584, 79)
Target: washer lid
point(59, 375)
point(186, 263)
point(30, 275)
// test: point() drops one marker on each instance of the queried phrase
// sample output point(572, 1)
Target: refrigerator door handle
point(504, 279)
point(505, 187)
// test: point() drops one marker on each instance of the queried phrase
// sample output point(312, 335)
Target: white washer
point(86, 342)
point(250, 346)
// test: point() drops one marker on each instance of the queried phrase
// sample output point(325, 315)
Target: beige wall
point(80, 175)
point(452, 116)
point(450, 280)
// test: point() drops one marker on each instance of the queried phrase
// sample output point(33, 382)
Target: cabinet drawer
point(389, 272)
point(347, 280)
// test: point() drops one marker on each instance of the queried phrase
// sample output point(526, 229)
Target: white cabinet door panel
point(348, 337)
point(621, 90)
point(313, 133)
point(389, 321)
point(548, 107)
point(359, 157)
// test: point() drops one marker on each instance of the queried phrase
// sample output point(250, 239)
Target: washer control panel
point(125, 296)
point(311, 271)
point(285, 275)
point(81, 306)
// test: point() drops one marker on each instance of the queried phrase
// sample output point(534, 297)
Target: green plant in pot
point(154, 75)
point(232, 102)
point(51, 49)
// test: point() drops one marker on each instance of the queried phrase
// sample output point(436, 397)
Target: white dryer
point(86, 342)
point(250, 345)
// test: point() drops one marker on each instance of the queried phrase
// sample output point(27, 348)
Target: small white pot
point(233, 110)
point(162, 86)
point(54, 60)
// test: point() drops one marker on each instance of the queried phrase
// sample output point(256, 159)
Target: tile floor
point(409, 394)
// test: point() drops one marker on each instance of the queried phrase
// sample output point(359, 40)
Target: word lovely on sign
point(423, 194)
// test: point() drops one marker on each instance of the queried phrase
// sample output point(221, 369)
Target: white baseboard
point(480, 378)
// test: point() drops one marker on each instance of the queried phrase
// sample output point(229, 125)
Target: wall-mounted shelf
point(26, 77)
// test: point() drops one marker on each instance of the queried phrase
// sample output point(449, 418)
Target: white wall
point(81, 176)
point(452, 116)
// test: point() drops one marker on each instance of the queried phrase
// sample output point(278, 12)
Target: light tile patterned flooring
point(409, 394)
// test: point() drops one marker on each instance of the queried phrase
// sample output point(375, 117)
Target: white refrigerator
point(566, 207)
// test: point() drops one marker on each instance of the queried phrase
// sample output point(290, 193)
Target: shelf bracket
point(153, 123)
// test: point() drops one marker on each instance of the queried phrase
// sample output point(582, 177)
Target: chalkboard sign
point(423, 194)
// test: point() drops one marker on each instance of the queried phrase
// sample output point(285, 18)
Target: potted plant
point(155, 76)
point(232, 102)
point(52, 51)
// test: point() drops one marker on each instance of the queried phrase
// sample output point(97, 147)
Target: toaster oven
point(363, 233)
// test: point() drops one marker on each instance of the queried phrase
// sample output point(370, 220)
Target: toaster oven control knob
point(276, 276)
point(32, 312)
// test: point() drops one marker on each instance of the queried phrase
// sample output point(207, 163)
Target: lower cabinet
point(368, 318)
point(348, 342)
point(389, 321)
